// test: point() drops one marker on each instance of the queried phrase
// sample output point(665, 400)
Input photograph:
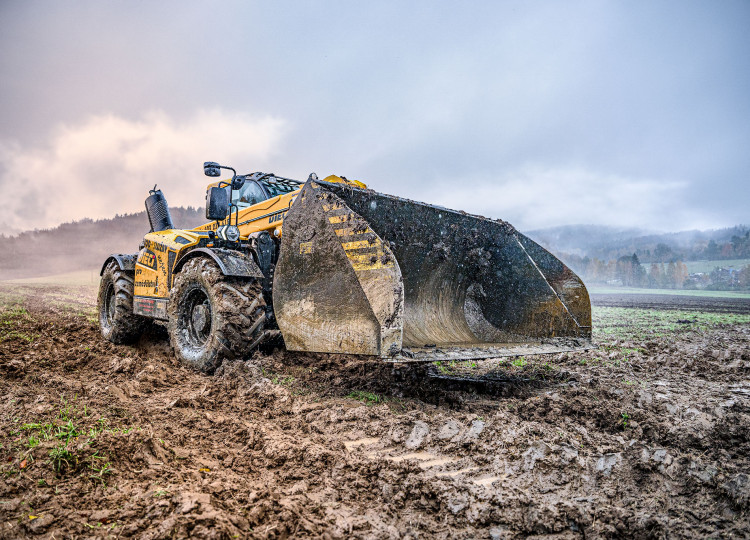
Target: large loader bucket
point(360, 272)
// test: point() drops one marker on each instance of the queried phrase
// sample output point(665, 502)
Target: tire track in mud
point(432, 464)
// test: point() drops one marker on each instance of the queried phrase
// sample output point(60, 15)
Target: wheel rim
point(198, 314)
point(110, 304)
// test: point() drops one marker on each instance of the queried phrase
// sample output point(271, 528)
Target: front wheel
point(117, 321)
point(213, 317)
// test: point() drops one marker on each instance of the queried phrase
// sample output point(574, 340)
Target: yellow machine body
point(360, 272)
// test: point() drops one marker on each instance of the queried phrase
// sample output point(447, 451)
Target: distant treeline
point(738, 247)
point(81, 245)
point(594, 253)
point(627, 271)
point(610, 244)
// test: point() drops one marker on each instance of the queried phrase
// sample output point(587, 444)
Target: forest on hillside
point(609, 243)
point(637, 258)
point(80, 245)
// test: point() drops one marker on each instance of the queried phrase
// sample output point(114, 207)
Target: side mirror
point(217, 203)
point(211, 168)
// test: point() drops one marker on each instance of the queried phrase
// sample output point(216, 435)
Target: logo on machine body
point(147, 258)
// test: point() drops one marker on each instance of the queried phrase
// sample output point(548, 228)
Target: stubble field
point(646, 436)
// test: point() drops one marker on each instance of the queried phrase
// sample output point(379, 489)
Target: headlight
point(229, 232)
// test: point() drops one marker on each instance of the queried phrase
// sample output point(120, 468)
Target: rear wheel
point(117, 321)
point(213, 317)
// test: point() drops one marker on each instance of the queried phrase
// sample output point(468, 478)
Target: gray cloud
point(619, 112)
point(107, 164)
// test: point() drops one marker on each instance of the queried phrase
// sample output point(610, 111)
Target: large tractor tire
point(117, 321)
point(213, 317)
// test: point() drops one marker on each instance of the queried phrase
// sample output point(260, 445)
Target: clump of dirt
point(642, 437)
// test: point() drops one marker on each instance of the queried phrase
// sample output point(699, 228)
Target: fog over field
point(619, 113)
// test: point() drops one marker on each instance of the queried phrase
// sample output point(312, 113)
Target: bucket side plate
point(337, 286)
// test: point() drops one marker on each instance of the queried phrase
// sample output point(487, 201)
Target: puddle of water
point(452, 474)
point(360, 442)
point(421, 456)
point(487, 482)
point(437, 462)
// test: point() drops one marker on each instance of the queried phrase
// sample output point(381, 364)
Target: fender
point(230, 262)
point(125, 262)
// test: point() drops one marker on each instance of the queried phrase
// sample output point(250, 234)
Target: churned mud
point(646, 436)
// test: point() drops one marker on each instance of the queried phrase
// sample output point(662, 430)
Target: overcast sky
point(632, 113)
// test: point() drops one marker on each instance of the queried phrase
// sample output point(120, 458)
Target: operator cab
point(259, 187)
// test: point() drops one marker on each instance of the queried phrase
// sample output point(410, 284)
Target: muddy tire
point(213, 317)
point(117, 321)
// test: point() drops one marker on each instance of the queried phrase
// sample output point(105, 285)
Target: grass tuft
point(366, 397)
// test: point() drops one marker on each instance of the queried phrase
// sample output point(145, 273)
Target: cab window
point(249, 194)
point(276, 186)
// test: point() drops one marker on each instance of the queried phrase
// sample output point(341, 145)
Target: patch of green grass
point(630, 351)
point(61, 458)
point(277, 378)
point(98, 428)
point(13, 312)
point(32, 442)
point(442, 368)
point(100, 467)
point(67, 431)
point(456, 367)
point(14, 334)
point(366, 397)
point(75, 431)
point(519, 362)
point(68, 409)
point(638, 323)
point(281, 380)
point(627, 352)
point(11, 317)
point(40, 431)
point(673, 292)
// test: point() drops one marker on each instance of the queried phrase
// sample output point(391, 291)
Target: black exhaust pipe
point(158, 211)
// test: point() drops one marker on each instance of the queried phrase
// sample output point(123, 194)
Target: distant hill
point(80, 245)
point(607, 243)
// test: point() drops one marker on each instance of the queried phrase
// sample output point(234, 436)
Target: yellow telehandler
point(331, 266)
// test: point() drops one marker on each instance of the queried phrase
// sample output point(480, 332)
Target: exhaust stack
point(158, 211)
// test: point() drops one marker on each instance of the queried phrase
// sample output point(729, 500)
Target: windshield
point(249, 194)
point(255, 191)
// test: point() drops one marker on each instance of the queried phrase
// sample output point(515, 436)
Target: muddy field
point(672, 302)
point(646, 436)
